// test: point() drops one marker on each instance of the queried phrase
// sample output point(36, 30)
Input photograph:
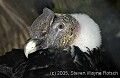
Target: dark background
point(16, 16)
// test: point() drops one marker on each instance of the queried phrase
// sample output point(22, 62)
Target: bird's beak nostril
point(44, 33)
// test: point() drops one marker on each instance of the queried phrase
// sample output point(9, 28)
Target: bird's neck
point(88, 35)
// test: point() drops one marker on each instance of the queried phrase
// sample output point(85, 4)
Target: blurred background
point(16, 16)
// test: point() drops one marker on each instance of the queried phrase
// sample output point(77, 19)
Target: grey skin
point(51, 30)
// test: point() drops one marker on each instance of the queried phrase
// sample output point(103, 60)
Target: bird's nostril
point(44, 33)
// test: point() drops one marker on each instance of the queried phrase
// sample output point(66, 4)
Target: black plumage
point(41, 64)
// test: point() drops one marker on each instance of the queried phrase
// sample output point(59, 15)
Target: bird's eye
point(61, 26)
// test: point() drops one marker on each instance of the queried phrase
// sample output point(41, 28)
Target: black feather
point(41, 63)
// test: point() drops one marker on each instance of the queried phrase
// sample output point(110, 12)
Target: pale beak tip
point(30, 47)
point(26, 55)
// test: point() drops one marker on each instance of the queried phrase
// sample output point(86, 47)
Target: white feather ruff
point(89, 34)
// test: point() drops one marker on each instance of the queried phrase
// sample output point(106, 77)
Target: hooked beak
point(31, 46)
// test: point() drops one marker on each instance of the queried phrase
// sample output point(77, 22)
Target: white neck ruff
point(89, 34)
